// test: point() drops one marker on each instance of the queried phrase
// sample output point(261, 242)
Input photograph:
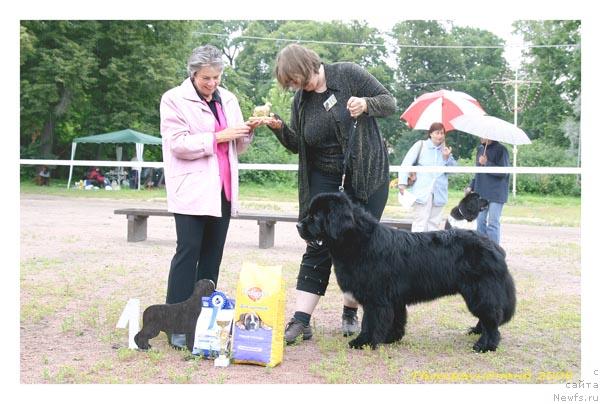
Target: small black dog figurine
point(177, 318)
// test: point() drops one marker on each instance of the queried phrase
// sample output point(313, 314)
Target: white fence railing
point(294, 167)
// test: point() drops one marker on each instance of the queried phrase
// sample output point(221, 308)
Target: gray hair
point(203, 56)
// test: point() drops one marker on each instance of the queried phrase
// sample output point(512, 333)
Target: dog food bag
point(259, 316)
point(213, 327)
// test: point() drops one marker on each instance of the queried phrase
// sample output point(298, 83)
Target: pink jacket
point(187, 127)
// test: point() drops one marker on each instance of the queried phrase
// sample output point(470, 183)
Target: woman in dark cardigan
point(329, 100)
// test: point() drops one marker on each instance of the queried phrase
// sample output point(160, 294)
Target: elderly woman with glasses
point(203, 132)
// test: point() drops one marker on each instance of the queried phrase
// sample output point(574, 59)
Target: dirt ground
point(77, 272)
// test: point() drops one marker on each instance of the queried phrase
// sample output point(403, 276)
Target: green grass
point(79, 303)
point(425, 355)
point(271, 192)
point(546, 210)
point(250, 191)
point(58, 188)
point(547, 342)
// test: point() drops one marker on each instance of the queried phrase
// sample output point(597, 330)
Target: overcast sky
point(503, 29)
point(500, 27)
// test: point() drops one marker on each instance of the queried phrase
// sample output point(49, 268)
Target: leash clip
point(347, 154)
point(341, 187)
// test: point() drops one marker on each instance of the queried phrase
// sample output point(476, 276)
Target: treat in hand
point(262, 111)
point(263, 116)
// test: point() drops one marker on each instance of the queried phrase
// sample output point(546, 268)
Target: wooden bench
point(137, 223)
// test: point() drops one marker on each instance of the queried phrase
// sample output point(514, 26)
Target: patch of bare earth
point(78, 271)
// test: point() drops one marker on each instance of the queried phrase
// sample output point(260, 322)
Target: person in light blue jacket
point(430, 189)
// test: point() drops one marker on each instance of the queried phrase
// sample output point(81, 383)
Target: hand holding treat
point(262, 111)
point(263, 116)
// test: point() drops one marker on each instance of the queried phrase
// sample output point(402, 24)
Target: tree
point(85, 77)
point(221, 34)
point(265, 147)
point(572, 129)
point(57, 71)
point(423, 66)
point(333, 41)
point(559, 70)
point(137, 62)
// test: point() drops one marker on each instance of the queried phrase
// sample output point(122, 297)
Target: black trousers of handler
point(315, 267)
point(200, 243)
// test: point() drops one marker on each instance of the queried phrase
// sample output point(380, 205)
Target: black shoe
point(350, 325)
point(294, 329)
point(177, 341)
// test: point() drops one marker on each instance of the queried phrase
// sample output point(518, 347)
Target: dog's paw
point(482, 348)
point(475, 330)
point(358, 343)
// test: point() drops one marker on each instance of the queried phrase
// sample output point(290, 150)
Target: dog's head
point(329, 216)
point(250, 321)
point(469, 207)
point(204, 287)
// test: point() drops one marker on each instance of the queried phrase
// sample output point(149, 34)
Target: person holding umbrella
point(490, 186)
point(429, 189)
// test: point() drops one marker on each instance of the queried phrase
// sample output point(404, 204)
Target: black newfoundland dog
point(386, 269)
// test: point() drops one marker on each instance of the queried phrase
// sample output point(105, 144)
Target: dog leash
point(347, 154)
point(316, 244)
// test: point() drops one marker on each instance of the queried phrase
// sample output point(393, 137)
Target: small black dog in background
point(467, 210)
point(177, 318)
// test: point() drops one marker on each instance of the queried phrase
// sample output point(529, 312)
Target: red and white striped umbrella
point(440, 106)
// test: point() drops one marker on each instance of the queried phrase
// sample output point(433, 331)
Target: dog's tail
point(511, 299)
point(499, 255)
point(492, 257)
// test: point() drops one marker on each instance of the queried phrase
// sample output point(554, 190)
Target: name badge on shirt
point(330, 102)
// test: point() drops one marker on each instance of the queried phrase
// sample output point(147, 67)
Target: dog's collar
point(315, 243)
point(460, 224)
point(453, 221)
point(460, 211)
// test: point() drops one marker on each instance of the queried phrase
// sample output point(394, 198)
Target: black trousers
point(200, 243)
point(315, 267)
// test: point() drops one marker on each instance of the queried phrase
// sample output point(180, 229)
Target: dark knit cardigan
point(369, 159)
point(492, 186)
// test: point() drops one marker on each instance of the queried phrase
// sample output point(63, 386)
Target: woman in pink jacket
point(203, 131)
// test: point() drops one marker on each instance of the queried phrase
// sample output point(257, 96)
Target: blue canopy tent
point(122, 136)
